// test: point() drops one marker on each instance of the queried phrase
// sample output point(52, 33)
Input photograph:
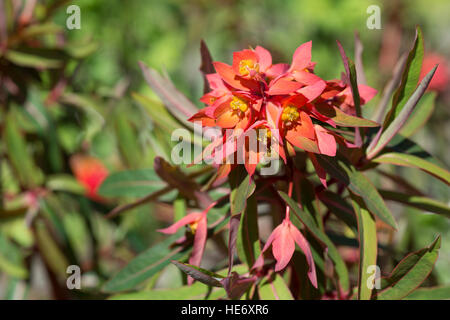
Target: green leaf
point(310, 224)
point(18, 154)
point(339, 207)
point(248, 246)
point(131, 183)
point(127, 140)
point(25, 59)
point(157, 113)
point(242, 186)
point(420, 115)
point(409, 273)
point(383, 138)
point(410, 78)
point(49, 249)
point(360, 185)
point(343, 119)
point(433, 293)
point(11, 259)
point(274, 288)
point(204, 276)
point(408, 160)
point(423, 203)
point(145, 265)
point(64, 182)
point(367, 235)
point(196, 291)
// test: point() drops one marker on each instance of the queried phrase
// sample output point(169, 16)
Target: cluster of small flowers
point(281, 99)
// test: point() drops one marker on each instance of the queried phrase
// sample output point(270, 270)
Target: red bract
point(198, 225)
point(284, 100)
point(283, 240)
point(90, 172)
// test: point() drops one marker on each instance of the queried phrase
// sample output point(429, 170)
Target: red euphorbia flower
point(90, 172)
point(254, 94)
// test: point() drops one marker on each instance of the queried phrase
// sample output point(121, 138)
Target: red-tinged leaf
point(381, 108)
point(396, 124)
point(174, 100)
point(358, 60)
point(360, 185)
point(410, 78)
point(409, 273)
point(242, 187)
point(204, 276)
point(420, 115)
point(433, 293)
point(367, 236)
point(177, 179)
point(343, 119)
point(351, 78)
point(419, 202)
point(235, 221)
point(207, 64)
point(412, 161)
point(236, 285)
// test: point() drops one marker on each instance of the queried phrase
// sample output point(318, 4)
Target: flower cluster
point(286, 101)
point(291, 106)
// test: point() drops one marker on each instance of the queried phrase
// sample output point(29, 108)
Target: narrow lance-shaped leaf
point(420, 115)
point(174, 100)
point(350, 71)
point(131, 183)
point(360, 185)
point(146, 265)
point(359, 48)
point(343, 119)
point(199, 274)
point(367, 235)
point(410, 78)
point(412, 161)
point(248, 245)
point(242, 186)
point(197, 291)
point(179, 180)
point(419, 202)
point(396, 125)
point(207, 64)
point(381, 108)
point(433, 293)
point(409, 273)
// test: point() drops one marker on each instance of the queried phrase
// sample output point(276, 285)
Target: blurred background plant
point(75, 108)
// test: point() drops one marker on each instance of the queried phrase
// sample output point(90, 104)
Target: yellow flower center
point(290, 114)
point(193, 226)
point(246, 66)
point(238, 104)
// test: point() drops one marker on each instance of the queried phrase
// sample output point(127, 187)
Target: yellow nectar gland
point(290, 114)
point(245, 66)
point(193, 226)
point(239, 105)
